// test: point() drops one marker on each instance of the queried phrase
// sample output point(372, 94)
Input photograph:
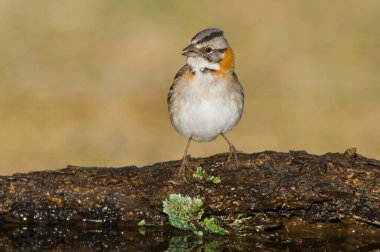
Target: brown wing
point(237, 86)
point(240, 93)
point(179, 74)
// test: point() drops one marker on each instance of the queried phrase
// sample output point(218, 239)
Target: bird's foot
point(233, 153)
point(181, 176)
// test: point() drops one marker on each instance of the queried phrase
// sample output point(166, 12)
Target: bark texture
point(330, 187)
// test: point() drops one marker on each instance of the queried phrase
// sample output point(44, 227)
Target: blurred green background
point(85, 82)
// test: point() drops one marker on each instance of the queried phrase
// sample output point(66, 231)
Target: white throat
point(200, 63)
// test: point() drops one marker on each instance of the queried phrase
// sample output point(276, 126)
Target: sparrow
point(206, 98)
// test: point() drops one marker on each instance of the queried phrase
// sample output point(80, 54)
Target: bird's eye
point(208, 50)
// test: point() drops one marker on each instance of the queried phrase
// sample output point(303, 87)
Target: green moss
point(183, 212)
point(211, 225)
point(141, 223)
point(201, 174)
point(216, 180)
point(186, 213)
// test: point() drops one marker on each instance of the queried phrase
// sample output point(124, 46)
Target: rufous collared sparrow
point(206, 99)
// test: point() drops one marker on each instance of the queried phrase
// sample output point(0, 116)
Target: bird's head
point(208, 50)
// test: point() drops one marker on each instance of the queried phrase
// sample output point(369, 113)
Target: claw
point(181, 177)
point(233, 152)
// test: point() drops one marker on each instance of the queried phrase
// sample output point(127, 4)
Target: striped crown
point(206, 35)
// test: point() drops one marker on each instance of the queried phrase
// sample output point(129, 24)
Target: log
point(315, 188)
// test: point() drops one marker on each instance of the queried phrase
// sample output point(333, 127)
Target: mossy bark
point(325, 188)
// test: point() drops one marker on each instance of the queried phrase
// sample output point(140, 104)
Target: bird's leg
point(185, 160)
point(233, 151)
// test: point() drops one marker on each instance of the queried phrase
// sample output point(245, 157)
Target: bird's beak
point(190, 50)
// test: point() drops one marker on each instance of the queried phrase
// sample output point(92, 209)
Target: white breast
point(205, 107)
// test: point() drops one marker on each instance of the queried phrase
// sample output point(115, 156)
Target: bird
point(206, 99)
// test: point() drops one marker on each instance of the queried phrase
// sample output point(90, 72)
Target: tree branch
point(330, 187)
